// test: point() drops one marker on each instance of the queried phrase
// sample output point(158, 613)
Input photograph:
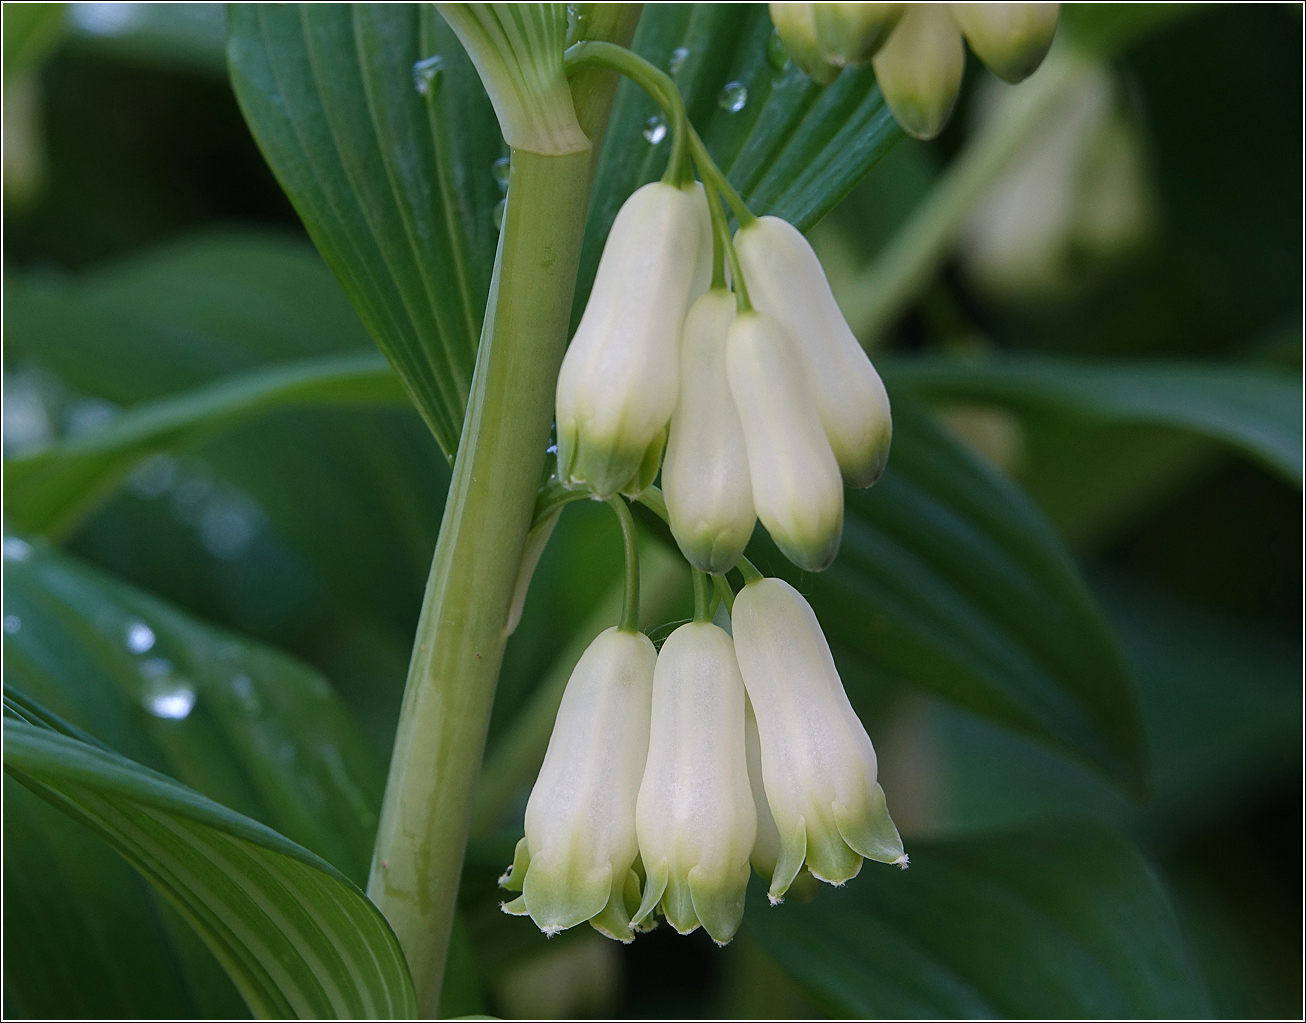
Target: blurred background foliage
point(148, 250)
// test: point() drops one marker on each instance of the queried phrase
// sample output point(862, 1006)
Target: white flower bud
point(818, 765)
point(796, 487)
point(575, 862)
point(919, 69)
point(1011, 39)
point(618, 383)
point(785, 280)
point(695, 816)
point(705, 476)
point(852, 33)
point(796, 24)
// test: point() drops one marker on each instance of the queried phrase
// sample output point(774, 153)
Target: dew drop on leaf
point(502, 170)
point(733, 98)
point(776, 54)
point(172, 699)
point(426, 75)
point(655, 129)
point(12, 624)
point(140, 637)
point(678, 57)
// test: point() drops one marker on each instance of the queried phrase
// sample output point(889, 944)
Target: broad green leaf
point(1254, 409)
point(244, 724)
point(54, 490)
point(791, 148)
point(391, 170)
point(1063, 923)
point(95, 941)
point(296, 936)
point(950, 580)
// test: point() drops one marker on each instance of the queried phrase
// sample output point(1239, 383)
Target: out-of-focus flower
point(818, 765)
point(796, 24)
point(797, 490)
point(574, 863)
point(705, 477)
point(620, 377)
point(785, 281)
point(853, 33)
point(1011, 39)
point(695, 817)
point(919, 69)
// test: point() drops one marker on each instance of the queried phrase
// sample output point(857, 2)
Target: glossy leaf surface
point(1254, 409)
point(1069, 922)
point(297, 938)
point(391, 169)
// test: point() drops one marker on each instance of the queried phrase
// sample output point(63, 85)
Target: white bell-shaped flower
point(818, 765)
point(620, 376)
point(852, 33)
point(695, 817)
point(1011, 39)
point(705, 475)
point(785, 280)
point(796, 24)
point(919, 69)
point(796, 487)
point(574, 864)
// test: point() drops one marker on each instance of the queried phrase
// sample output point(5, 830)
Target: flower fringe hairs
point(669, 772)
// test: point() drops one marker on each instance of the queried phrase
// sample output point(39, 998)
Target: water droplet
point(655, 129)
point(140, 637)
point(229, 524)
point(499, 208)
point(172, 699)
point(502, 171)
point(107, 19)
point(191, 492)
point(575, 23)
point(16, 549)
point(678, 57)
point(243, 686)
point(88, 415)
point(734, 96)
point(154, 477)
point(426, 75)
point(12, 624)
point(26, 417)
point(776, 54)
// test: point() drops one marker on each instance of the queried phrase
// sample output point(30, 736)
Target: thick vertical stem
point(418, 856)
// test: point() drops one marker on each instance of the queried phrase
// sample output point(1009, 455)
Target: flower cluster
point(765, 412)
point(645, 802)
point(917, 48)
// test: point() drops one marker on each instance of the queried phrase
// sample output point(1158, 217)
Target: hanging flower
point(620, 377)
point(818, 765)
point(796, 487)
point(705, 477)
point(695, 816)
point(574, 863)
point(786, 281)
point(1011, 39)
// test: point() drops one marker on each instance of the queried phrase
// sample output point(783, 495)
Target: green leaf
point(244, 724)
point(54, 490)
point(95, 941)
point(792, 149)
point(1063, 923)
point(297, 938)
point(397, 190)
point(950, 580)
point(1106, 29)
point(1254, 409)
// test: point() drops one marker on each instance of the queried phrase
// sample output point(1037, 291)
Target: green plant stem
point(630, 543)
point(723, 248)
point(907, 265)
point(417, 860)
point(724, 592)
point(702, 597)
point(653, 81)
